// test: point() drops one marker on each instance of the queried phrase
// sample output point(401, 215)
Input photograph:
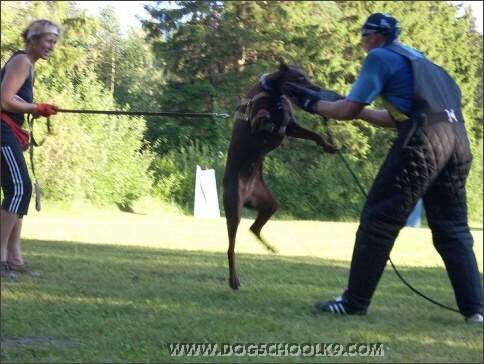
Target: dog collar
point(263, 82)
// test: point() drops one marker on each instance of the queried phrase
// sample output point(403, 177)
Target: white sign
point(206, 200)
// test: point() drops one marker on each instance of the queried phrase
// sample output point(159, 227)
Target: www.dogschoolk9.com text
point(276, 349)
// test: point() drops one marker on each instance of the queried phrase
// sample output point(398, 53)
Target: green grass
point(117, 287)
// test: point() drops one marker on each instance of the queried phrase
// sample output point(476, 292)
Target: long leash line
point(147, 113)
point(340, 153)
point(34, 143)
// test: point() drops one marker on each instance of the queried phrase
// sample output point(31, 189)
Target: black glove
point(305, 98)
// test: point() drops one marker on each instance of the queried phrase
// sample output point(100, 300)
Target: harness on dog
point(244, 109)
point(246, 105)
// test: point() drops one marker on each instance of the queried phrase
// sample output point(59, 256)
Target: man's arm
point(349, 110)
point(380, 118)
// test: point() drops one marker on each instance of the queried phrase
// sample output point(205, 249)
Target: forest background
point(202, 57)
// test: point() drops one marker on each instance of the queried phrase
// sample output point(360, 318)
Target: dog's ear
point(283, 67)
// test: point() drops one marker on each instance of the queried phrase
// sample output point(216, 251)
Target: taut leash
point(148, 113)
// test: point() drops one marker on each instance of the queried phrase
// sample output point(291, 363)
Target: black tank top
point(26, 92)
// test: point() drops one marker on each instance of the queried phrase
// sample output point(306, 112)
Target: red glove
point(45, 110)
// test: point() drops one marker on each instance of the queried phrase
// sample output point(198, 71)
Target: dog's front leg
point(256, 122)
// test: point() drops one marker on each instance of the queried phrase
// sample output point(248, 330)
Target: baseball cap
point(381, 23)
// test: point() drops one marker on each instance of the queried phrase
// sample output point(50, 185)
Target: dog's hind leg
point(266, 204)
point(233, 210)
point(233, 278)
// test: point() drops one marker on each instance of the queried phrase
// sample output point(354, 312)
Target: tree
point(99, 158)
point(215, 51)
point(203, 57)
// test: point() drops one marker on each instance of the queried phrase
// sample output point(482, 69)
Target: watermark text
point(276, 349)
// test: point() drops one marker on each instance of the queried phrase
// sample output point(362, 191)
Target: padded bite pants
point(433, 162)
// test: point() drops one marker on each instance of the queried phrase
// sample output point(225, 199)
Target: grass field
point(119, 287)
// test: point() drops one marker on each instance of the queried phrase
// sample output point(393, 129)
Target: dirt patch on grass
point(37, 340)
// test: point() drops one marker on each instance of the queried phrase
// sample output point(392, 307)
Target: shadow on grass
point(124, 303)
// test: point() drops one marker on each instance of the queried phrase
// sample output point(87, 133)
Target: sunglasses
point(365, 32)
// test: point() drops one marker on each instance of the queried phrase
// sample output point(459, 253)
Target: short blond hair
point(38, 27)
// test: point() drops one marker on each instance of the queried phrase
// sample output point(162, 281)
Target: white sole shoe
point(474, 319)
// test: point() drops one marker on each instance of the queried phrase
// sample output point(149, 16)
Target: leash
point(33, 144)
point(147, 113)
point(366, 196)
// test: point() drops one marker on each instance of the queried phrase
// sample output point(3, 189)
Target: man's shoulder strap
point(401, 50)
point(434, 89)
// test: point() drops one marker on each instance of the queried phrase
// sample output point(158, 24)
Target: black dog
point(262, 120)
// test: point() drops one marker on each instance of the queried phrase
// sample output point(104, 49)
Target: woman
point(40, 38)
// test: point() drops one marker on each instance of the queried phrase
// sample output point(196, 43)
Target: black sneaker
point(6, 272)
point(339, 306)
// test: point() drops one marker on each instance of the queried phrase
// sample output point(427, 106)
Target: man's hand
point(45, 110)
point(307, 99)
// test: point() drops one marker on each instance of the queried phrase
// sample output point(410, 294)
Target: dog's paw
point(330, 149)
point(259, 120)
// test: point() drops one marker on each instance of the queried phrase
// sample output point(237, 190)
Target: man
point(430, 159)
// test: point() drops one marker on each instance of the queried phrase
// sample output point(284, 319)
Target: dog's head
point(293, 74)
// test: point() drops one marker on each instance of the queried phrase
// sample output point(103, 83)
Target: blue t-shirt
point(388, 74)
